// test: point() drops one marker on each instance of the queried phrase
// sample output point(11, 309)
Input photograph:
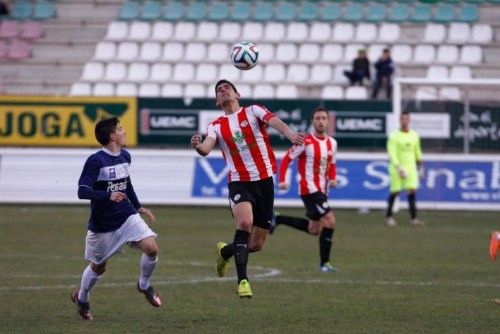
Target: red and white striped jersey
point(317, 158)
point(244, 142)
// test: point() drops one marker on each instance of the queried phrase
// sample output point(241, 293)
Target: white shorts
point(101, 246)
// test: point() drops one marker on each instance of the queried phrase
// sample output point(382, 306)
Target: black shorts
point(316, 205)
point(260, 194)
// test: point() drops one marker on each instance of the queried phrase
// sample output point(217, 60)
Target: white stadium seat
point(162, 31)
point(426, 93)
point(171, 90)
point(173, 52)
point(450, 93)
point(184, 31)
point(286, 92)
point(356, 93)
point(332, 53)
point(195, 52)
point(286, 53)
point(401, 53)
point(93, 72)
point(389, 32)
point(160, 72)
point(338, 74)
point(437, 72)
point(138, 72)
point(263, 91)
point(207, 31)
point(447, 54)
point(103, 89)
point(183, 72)
point(297, 32)
point(366, 32)
point(471, 54)
point(150, 51)
point(206, 73)
point(274, 32)
point(105, 51)
point(229, 32)
point(320, 74)
point(195, 90)
point(126, 89)
point(460, 72)
point(117, 31)
point(274, 73)
point(351, 52)
point(253, 76)
point(320, 32)
point(266, 52)
point(139, 31)
point(434, 33)
point(218, 53)
point(128, 51)
point(343, 32)
point(297, 73)
point(149, 90)
point(332, 92)
point(481, 33)
point(309, 53)
point(374, 51)
point(458, 33)
point(81, 89)
point(252, 31)
point(115, 72)
point(424, 54)
point(229, 72)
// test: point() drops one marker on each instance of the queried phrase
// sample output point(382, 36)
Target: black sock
point(240, 247)
point(227, 251)
point(390, 203)
point(300, 224)
point(412, 205)
point(325, 244)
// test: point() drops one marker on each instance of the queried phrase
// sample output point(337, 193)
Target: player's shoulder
point(256, 107)
point(308, 139)
point(332, 140)
point(216, 121)
point(126, 154)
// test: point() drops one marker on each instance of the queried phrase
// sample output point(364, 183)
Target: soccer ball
point(244, 55)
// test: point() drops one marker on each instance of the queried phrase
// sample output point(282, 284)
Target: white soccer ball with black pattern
point(244, 55)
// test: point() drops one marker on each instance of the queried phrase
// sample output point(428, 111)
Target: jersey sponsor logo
point(244, 123)
point(116, 172)
point(118, 186)
point(238, 137)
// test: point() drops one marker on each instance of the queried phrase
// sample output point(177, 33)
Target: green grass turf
point(437, 279)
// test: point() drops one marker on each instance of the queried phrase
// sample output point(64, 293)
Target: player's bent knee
point(245, 225)
point(99, 269)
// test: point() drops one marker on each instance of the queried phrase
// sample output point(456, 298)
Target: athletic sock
point(412, 205)
point(390, 204)
point(300, 224)
point(89, 279)
point(325, 244)
point(148, 265)
point(240, 246)
point(227, 251)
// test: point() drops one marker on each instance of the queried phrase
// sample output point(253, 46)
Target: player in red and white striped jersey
point(317, 173)
point(242, 137)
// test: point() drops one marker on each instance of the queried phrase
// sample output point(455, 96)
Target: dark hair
point(319, 109)
point(222, 81)
point(104, 128)
point(407, 113)
point(386, 50)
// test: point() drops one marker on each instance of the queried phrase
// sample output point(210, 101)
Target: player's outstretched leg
point(83, 309)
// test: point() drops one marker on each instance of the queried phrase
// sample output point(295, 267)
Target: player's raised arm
point(203, 147)
point(280, 126)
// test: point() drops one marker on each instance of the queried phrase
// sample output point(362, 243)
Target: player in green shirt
point(405, 158)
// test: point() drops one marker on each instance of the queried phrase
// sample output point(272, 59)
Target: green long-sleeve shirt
point(404, 149)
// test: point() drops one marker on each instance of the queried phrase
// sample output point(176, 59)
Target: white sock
point(148, 265)
point(89, 278)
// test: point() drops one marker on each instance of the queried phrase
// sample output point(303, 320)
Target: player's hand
point(196, 140)
point(150, 217)
point(420, 169)
point(333, 183)
point(402, 173)
point(283, 186)
point(296, 138)
point(117, 197)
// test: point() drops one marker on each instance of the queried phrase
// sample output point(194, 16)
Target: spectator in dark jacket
point(360, 69)
point(385, 68)
point(4, 8)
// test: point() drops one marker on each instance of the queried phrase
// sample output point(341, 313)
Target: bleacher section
point(180, 48)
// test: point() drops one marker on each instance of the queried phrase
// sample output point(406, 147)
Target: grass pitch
point(436, 279)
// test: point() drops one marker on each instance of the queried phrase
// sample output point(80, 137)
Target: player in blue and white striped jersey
point(115, 215)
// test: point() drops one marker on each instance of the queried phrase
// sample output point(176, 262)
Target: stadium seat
point(22, 9)
point(389, 32)
point(356, 93)
point(343, 32)
point(286, 53)
point(151, 10)
point(206, 73)
point(105, 51)
point(401, 53)
point(437, 72)
point(320, 32)
point(219, 11)
point(351, 52)
point(171, 90)
point(240, 11)
point(266, 53)
point(150, 51)
point(426, 93)
point(115, 72)
point(229, 32)
point(338, 74)
point(93, 72)
point(263, 91)
point(444, 13)
point(172, 52)
point(19, 49)
point(297, 32)
point(139, 31)
point(126, 89)
point(128, 51)
point(274, 73)
point(424, 54)
point(207, 31)
point(263, 11)
point(185, 31)
point(450, 93)
point(138, 72)
point(468, 13)
point(332, 53)
point(286, 92)
point(366, 32)
point(399, 12)
point(297, 74)
point(320, 74)
point(482, 33)
point(309, 53)
point(330, 12)
point(375, 50)
point(252, 31)
point(117, 31)
point(434, 33)
point(196, 10)
point(447, 54)
point(229, 72)
point(471, 54)
point(308, 11)
point(421, 13)
point(195, 52)
point(254, 76)
point(218, 53)
point(458, 33)
point(31, 30)
point(9, 29)
point(183, 73)
point(460, 73)
point(149, 90)
point(285, 11)
point(160, 72)
point(162, 31)
point(174, 11)
point(80, 89)
point(375, 12)
point(332, 93)
point(130, 10)
point(195, 90)
point(103, 89)
point(274, 32)
point(353, 12)
point(246, 91)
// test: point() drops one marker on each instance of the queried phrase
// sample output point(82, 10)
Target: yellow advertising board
point(62, 121)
